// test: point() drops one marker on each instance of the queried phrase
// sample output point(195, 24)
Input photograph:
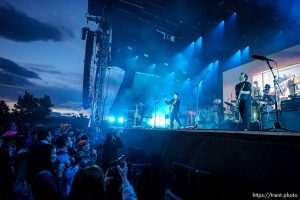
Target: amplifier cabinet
point(289, 119)
point(293, 104)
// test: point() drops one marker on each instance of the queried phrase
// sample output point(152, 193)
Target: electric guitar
point(238, 99)
point(171, 108)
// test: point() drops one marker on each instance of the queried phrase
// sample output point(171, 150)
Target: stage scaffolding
point(95, 69)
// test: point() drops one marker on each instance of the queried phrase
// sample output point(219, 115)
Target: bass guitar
point(238, 99)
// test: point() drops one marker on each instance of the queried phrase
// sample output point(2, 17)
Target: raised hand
point(123, 171)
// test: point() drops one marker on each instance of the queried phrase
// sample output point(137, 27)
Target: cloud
point(11, 68)
point(71, 105)
point(54, 76)
point(14, 81)
point(11, 80)
point(60, 96)
point(40, 75)
point(18, 26)
point(41, 68)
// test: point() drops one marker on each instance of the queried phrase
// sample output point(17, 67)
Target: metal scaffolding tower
point(96, 62)
point(103, 46)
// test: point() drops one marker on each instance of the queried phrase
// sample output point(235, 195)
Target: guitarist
point(243, 100)
point(174, 109)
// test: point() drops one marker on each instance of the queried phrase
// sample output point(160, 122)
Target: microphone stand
point(155, 104)
point(197, 106)
point(197, 99)
point(277, 125)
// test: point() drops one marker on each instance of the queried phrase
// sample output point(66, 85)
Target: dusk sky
point(41, 50)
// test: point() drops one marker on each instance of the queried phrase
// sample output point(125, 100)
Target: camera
point(113, 170)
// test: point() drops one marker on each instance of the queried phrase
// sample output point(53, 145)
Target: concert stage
point(230, 163)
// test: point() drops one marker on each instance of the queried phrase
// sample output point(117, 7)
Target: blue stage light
point(198, 46)
point(234, 60)
point(121, 119)
point(111, 119)
point(246, 54)
point(199, 42)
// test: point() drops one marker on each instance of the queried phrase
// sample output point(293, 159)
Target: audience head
point(109, 137)
point(44, 157)
point(63, 141)
point(84, 137)
point(82, 159)
point(112, 136)
point(88, 184)
point(44, 135)
point(84, 145)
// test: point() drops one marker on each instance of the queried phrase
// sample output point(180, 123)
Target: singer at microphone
point(261, 58)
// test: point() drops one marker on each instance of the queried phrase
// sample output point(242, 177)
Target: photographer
point(109, 149)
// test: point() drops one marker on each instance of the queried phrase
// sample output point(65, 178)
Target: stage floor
point(199, 131)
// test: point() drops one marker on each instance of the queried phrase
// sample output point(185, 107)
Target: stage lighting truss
point(166, 36)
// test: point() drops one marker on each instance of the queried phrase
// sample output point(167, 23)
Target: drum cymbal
point(228, 104)
point(217, 101)
point(264, 102)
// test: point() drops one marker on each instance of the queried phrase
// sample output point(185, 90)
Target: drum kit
point(209, 115)
point(260, 103)
point(233, 114)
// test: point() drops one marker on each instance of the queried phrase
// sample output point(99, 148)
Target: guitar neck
point(240, 92)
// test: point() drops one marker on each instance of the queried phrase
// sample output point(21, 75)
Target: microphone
point(261, 58)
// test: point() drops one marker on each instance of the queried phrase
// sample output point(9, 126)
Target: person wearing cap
point(84, 146)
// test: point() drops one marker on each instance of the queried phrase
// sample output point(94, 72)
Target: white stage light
point(111, 119)
point(121, 119)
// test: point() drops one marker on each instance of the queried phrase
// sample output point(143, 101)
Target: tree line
point(27, 112)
